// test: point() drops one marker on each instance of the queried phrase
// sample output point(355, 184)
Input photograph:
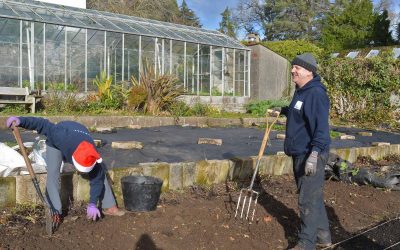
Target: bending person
point(71, 142)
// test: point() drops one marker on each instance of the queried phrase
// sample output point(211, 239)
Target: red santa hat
point(85, 157)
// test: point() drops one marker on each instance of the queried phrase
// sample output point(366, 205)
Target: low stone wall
point(19, 189)
point(151, 121)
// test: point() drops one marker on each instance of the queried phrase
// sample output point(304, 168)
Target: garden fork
point(53, 218)
point(250, 196)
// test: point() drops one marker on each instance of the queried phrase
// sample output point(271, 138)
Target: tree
point(283, 19)
point(228, 25)
point(187, 16)
point(349, 26)
point(167, 10)
point(398, 33)
point(382, 36)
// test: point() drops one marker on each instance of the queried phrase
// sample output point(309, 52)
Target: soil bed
point(203, 218)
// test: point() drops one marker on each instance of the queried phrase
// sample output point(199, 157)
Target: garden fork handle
point(17, 136)
point(263, 145)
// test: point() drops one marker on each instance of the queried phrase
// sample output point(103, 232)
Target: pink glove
point(12, 119)
point(92, 212)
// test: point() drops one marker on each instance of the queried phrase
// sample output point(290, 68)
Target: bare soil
point(203, 218)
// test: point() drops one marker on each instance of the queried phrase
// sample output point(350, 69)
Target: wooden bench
point(10, 95)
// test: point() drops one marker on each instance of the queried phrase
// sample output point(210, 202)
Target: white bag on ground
point(11, 162)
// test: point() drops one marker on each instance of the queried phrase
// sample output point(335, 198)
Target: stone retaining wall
point(151, 121)
point(19, 189)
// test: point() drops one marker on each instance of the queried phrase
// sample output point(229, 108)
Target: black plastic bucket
point(141, 193)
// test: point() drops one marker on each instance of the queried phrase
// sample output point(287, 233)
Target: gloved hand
point(274, 112)
point(92, 212)
point(311, 164)
point(284, 110)
point(12, 119)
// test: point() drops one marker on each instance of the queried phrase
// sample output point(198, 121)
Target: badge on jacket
point(298, 105)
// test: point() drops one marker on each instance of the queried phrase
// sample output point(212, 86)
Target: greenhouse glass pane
point(131, 60)
point(95, 56)
point(228, 73)
point(75, 58)
point(55, 56)
point(191, 69)
point(114, 56)
point(178, 60)
point(216, 88)
point(9, 52)
point(147, 52)
point(204, 70)
point(239, 71)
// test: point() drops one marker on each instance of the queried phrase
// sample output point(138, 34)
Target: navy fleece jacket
point(307, 125)
point(66, 136)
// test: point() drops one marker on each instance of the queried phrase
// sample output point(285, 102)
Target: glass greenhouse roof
point(30, 10)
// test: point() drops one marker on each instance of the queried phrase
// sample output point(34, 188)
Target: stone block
point(242, 168)
point(98, 143)
point(134, 126)
point(280, 136)
point(7, 191)
point(212, 141)
point(25, 190)
point(105, 130)
point(159, 170)
point(363, 133)
point(127, 144)
point(188, 174)
point(176, 176)
point(212, 171)
point(347, 137)
point(82, 191)
point(380, 144)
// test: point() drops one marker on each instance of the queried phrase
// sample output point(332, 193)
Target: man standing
point(307, 141)
point(71, 142)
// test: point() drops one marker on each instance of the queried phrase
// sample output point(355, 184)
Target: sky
point(209, 11)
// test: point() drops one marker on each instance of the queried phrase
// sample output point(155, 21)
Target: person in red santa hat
point(71, 142)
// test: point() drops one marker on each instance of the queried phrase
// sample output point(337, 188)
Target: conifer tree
point(227, 25)
point(187, 16)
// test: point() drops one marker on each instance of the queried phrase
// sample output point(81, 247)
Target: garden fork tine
point(249, 193)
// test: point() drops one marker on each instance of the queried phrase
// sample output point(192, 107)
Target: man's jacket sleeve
point(96, 177)
point(42, 126)
point(317, 114)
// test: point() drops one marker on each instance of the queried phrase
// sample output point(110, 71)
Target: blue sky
point(209, 11)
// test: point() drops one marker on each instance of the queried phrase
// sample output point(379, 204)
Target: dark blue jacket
point(66, 136)
point(307, 125)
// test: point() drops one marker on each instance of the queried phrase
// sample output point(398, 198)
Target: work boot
point(113, 211)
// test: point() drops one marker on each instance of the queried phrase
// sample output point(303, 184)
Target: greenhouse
point(44, 45)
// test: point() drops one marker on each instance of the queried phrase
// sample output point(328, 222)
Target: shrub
point(259, 108)
point(179, 108)
point(360, 89)
point(291, 48)
point(199, 109)
point(161, 90)
point(56, 101)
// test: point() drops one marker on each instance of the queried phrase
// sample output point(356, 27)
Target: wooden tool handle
point(17, 136)
point(266, 136)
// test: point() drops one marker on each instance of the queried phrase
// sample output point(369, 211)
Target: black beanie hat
point(306, 61)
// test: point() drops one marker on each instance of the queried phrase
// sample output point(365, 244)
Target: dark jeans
point(314, 221)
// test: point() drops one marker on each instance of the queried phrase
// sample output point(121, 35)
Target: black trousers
point(314, 220)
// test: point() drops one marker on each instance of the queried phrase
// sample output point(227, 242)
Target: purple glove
point(92, 212)
point(12, 119)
